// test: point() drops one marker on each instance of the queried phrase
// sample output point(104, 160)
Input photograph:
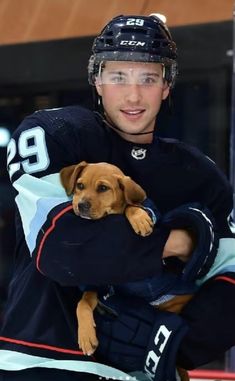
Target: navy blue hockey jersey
point(56, 251)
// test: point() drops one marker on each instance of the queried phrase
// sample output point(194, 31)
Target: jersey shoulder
point(187, 154)
point(56, 121)
point(51, 139)
point(195, 162)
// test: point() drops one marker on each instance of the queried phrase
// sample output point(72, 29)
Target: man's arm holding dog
point(64, 246)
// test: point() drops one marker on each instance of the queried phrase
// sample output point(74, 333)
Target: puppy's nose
point(84, 206)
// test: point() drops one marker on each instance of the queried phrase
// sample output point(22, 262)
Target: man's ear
point(165, 91)
point(98, 87)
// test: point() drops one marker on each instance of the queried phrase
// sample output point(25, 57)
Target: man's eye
point(150, 80)
point(102, 188)
point(117, 79)
point(80, 186)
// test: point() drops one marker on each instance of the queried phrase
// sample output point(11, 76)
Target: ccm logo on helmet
point(132, 43)
point(154, 356)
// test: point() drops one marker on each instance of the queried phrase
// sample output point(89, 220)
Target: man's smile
point(132, 113)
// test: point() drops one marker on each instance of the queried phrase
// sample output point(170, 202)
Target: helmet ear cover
point(136, 39)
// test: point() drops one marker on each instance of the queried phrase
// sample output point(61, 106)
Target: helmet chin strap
point(119, 129)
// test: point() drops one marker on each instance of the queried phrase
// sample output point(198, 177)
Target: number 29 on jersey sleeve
point(30, 150)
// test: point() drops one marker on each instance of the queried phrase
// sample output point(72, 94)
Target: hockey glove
point(201, 222)
point(133, 336)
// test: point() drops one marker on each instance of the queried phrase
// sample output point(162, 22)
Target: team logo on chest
point(138, 153)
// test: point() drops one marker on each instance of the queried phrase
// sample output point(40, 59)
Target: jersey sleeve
point(210, 316)
point(218, 196)
point(220, 202)
point(216, 191)
point(65, 247)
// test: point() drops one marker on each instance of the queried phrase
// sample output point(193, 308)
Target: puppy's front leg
point(139, 220)
point(86, 324)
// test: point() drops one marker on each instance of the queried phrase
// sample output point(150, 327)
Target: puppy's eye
point(80, 186)
point(102, 188)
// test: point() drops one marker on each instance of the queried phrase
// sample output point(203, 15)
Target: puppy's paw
point(139, 220)
point(144, 227)
point(87, 339)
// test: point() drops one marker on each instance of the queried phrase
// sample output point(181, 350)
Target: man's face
point(132, 93)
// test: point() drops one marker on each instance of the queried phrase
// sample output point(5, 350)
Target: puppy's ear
point(69, 175)
point(133, 192)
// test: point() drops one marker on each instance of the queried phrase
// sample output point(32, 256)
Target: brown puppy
point(98, 190)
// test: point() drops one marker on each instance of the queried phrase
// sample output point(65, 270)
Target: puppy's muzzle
point(84, 208)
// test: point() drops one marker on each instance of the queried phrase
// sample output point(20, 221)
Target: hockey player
point(132, 67)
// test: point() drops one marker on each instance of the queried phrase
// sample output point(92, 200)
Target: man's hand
point(180, 244)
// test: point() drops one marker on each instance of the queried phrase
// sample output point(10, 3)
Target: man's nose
point(133, 93)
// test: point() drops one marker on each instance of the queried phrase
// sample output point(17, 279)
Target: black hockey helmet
point(134, 38)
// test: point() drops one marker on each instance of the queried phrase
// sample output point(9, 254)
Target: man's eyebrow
point(151, 73)
point(116, 72)
point(120, 72)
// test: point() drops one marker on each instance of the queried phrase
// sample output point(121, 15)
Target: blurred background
point(44, 50)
